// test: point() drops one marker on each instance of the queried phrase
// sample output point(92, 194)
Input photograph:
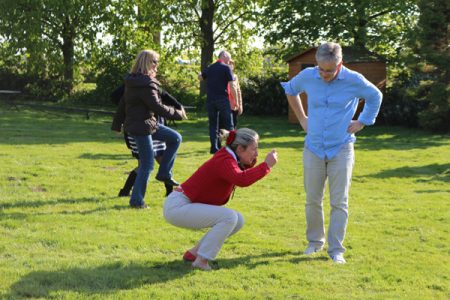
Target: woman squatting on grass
point(198, 202)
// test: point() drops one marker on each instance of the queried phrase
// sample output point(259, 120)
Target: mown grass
point(65, 234)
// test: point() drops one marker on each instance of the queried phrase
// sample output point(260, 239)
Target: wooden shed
point(372, 66)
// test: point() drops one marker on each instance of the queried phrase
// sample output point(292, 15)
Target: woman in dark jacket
point(143, 104)
point(158, 146)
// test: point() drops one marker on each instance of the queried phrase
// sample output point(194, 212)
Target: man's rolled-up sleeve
point(293, 87)
point(373, 97)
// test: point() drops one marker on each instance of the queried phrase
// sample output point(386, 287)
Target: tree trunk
point(207, 47)
point(157, 38)
point(67, 48)
point(360, 31)
point(157, 19)
point(156, 22)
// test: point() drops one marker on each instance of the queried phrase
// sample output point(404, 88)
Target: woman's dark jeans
point(147, 162)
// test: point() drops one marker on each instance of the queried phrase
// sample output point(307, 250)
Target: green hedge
point(263, 95)
point(417, 101)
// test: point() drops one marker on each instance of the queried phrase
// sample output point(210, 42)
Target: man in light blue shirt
point(333, 94)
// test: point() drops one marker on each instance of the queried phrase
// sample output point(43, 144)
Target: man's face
point(328, 70)
point(226, 57)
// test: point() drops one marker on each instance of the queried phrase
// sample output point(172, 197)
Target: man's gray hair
point(224, 54)
point(329, 52)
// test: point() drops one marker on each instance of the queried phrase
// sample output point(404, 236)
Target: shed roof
point(350, 54)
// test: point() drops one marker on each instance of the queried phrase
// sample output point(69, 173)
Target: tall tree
point(51, 33)
point(433, 51)
point(380, 25)
point(208, 24)
point(128, 27)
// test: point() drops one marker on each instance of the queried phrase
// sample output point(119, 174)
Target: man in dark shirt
point(217, 76)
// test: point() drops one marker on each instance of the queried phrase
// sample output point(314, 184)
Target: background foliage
point(50, 38)
point(381, 26)
point(433, 49)
point(54, 49)
point(264, 95)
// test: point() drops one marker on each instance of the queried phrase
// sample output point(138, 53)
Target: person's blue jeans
point(144, 144)
point(219, 113)
point(173, 140)
point(146, 160)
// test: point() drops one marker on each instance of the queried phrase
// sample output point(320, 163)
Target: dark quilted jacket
point(142, 104)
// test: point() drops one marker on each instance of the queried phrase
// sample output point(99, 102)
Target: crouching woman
point(198, 202)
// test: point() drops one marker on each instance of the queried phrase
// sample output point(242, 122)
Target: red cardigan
point(215, 180)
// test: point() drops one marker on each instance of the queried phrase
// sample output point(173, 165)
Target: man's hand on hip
point(355, 126)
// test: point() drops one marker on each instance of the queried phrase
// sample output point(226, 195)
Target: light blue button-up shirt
point(331, 106)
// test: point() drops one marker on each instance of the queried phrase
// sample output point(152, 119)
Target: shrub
point(181, 81)
point(263, 95)
point(14, 81)
point(109, 79)
point(436, 116)
point(400, 107)
point(47, 89)
point(417, 101)
point(40, 88)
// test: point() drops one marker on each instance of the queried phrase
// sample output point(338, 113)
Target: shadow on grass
point(432, 191)
point(83, 212)
point(253, 261)
point(397, 138)
point(65, 210)
point(110, 278)
point(97, 156)
point(437, 172)
point(43, 128)
point(40, 128)
point(197, 153)
point(104, 279)
point(282, 145)
point(40, 203)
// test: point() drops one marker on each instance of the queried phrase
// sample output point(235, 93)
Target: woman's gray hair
point(329, 52)
point(244, 137)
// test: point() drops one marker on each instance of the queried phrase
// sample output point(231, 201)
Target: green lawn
point(64, 234)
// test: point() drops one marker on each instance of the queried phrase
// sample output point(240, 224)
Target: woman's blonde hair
point(244, 137)
point(144, 60)
point(232, 64)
